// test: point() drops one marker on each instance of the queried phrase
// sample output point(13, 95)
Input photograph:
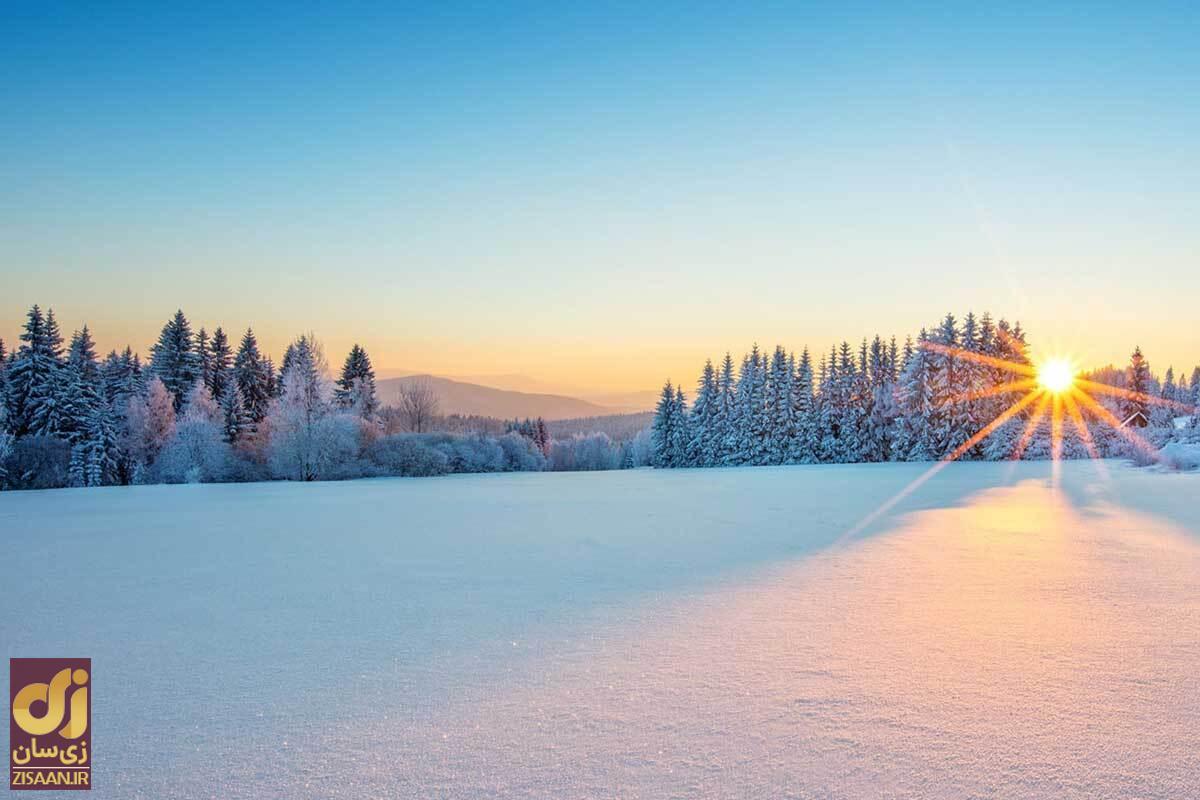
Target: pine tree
point(724, 414)
point(220, 358)
point(356, 386)
point(3, 391)
point(541, 437)
point(679, 430)
point(119, 378)
point(204, 359)
point(780, 422)
point(174, 360)
point(1137, 381)
point(234, 415)
point(948, 423)
point(95, 456)
point(1169, 390)
point(79, 389)
point(253, 379)
point(916, 396)
point(34, 377)
point(702, 445)
point(662, 430)
point(805, 445)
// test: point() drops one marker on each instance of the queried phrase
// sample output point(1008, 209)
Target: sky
point(599, 195)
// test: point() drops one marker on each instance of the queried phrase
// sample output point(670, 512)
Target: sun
point(1056, 375)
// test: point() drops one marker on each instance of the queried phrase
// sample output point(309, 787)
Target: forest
point(202, 410)
point(929, 399)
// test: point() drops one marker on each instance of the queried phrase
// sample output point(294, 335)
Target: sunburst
point(1053, 387)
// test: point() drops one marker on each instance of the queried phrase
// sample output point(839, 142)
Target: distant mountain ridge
point(459, 397)
point(617, 402)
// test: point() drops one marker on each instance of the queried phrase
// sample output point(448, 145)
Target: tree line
point(920, 401)
point(201, 410)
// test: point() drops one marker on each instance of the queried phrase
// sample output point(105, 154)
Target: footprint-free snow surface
point(1008, 630)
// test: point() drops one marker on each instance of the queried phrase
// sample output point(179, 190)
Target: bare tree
point(418, 404)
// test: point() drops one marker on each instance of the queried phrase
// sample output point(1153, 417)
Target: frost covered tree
point(805, 444)
point(220, 365)
point(308, 440)
point(149, 427)
point(669, 431)
point(174, 360)
point(252, 375)
point(702, 435)
point(204, 358)
point(780, 425)
point(680, 437)
point(33, 377)
point(356, 386)
point(1137, 380)
point(95, 456)
point(233, 415)
point(724, 414)
point(197, 451)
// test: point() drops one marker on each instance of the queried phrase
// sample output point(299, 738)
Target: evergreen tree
point(679, 430)
point(725, 414)
point(204, 359)
point(1137, 381)
point(95, 456)
point(174, 360)
point(805, 444)
point(356, 386)
point(220, 358)
point(3, 391)
point(949, 428)
point(274, 379)
point(916, 396)
point(80, 395)
point(233, 415)
point(662, 430)
point(541, 437)
point(1169, 390)
point(702, 445)
point(779, 427)
point(253, 379)
point(34, 376)
point(119, 379)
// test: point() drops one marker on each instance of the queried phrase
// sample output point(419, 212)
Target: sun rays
point(1051, 392)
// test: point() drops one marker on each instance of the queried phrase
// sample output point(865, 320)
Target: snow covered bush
point(472, 453)
point(520, 454)
point(6, 447)
point(326, 448)
point(38, 462)
point(197, 453)
point(1180, 455)
point(591, 452)
point(408, 455)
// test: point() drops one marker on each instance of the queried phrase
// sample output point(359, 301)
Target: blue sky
point(602, 196)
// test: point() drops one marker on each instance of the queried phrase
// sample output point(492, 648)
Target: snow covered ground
point(1005, 631)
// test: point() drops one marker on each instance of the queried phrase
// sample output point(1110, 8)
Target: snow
point(1180, 455)
point(1010, 629)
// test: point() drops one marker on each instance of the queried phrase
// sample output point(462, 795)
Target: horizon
point(619, 398)
point(570, 195)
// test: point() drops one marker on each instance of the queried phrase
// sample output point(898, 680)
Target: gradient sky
point(602, 197)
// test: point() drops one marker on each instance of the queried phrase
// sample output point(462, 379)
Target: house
point(1135, 420)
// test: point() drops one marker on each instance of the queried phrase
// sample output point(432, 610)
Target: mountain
point(458, 397)
point(629, 402)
